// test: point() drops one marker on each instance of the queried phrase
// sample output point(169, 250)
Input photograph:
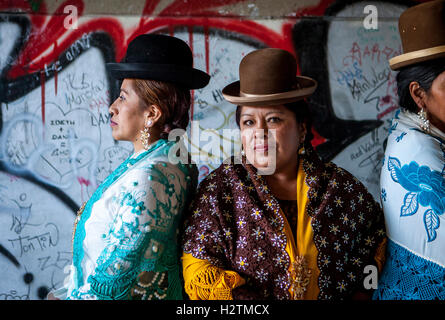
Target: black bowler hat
point(160, 57)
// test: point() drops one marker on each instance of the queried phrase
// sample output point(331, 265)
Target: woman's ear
point(303, 131)
point(417, 94)
point(153, 114)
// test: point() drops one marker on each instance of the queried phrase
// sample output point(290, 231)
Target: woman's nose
point(112, 109)
point(261, 129)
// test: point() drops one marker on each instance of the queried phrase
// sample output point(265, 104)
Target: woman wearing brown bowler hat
point(278, 223)
point(412, 177)
point(124, 239)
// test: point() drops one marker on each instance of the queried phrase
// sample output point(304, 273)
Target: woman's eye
point(274, 119)
point(121, 97)
point(248, 122)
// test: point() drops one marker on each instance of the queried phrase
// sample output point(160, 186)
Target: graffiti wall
point(56, 143)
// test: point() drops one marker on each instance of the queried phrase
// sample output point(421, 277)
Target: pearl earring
point(425, 125)
point(145, 135)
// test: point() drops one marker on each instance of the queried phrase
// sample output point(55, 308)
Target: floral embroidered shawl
point(234, 223)
point(413, 197)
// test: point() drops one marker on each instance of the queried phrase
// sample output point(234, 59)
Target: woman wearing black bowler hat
point(124, 239)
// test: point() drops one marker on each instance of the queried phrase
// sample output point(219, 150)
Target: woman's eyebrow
point(280, 112)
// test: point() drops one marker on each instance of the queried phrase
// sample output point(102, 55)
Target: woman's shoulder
point(227, 173)
point(412, 146)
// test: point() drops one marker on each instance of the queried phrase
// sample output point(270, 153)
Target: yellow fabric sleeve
point(204, 281)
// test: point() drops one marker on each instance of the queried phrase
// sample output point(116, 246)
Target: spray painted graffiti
point(56, 144)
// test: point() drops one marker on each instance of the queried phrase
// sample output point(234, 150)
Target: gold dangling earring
point(423, 116)
point(145, 135)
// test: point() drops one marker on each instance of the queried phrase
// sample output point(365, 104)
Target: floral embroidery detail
point(278, 240)
point(275, 221)
point(227, 198)
point(269, 204)
point(425, 188)
point(204, 198)
point(338, 202)
point(241, 202)
point(345, 237)
point(279, 260)
point(261, 275)
point(337, 247)
point(348, 187)
point(196, 213)
point(325, 261)
point(259, 254)
point(211, 187)
point(351, 276)
point(228, 234)
point(258, 233)
point(241, 222)
point(170, 189)
point(241, 242)
point(339, 266)
point(281, 281)
point(256, 213)
point(333, 184)
point(345, 218)
point(216, 236)
point(323, 242)
point(341, 286)
point(242, 262)
point(334, 229)
point(138, 207)
point(227, 215)
point(356, 261)
point(205, 224)
point(324, 281)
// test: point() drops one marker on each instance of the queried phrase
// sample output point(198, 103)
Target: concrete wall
point(56, 144)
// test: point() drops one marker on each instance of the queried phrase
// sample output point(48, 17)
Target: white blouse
point(129, 226)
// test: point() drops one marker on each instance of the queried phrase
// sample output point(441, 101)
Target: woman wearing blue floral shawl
point(412, 176)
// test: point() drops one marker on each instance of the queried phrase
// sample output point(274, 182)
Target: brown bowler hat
point(268, 77)
point(422, 31)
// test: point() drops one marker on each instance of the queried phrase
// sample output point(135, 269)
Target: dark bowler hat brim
point(305, 87)
point(183, 76)
point(162, 58)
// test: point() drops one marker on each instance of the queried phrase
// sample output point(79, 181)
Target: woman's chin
point(261, 162)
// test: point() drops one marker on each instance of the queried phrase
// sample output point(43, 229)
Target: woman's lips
point(261, 147)
point(112, 123)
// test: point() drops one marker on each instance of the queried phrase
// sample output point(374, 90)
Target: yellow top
point(204, 281)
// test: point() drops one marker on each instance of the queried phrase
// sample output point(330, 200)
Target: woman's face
point(127, 114)
point(270, 136)
point(435, 102)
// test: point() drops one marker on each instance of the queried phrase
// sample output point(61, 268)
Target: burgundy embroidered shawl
point(234, 223)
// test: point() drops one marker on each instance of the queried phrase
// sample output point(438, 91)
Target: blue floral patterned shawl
point(413, 198)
